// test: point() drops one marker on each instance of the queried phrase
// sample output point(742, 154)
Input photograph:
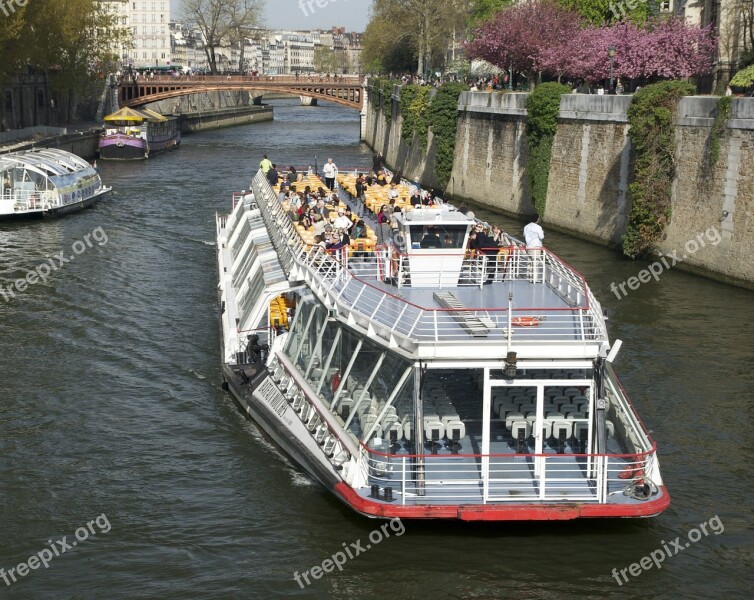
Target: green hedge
point(542, 106)
point(652, 119)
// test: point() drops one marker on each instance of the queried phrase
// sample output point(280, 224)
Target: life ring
point(631, 470)
point(526, 321)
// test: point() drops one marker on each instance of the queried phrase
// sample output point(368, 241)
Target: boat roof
point(128, 115)
point(47, 162)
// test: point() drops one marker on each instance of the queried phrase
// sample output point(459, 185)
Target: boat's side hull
point(508, 512)
point(58, 211)
point(123, 147)
point(265, 418)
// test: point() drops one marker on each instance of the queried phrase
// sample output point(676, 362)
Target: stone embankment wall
point(591, 168)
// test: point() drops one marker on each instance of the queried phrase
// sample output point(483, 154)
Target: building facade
point(150, 21)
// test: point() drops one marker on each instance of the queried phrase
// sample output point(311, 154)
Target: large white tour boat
point(406, 386)
point(46, 183)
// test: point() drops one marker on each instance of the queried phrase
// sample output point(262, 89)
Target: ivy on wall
point(380, 94)
point(718, 127)
point(652, 133)
point(543, 106)
point(414, 110)
point(443, 118)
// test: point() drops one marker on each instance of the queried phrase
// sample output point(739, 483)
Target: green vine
point(380, 93)
point(387, 98)
point(652, 133)
point(718, 127)
point(543, 106)
point(443, 116)
point(414, 111)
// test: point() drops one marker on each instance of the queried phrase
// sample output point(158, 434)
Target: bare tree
point(245, 15)
point(222, 22)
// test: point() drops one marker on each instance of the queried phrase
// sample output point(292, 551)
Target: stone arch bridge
point(343, 90)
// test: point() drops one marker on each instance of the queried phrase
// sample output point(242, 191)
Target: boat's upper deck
point(444, 302)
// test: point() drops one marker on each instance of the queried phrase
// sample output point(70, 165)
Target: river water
point(111, 413)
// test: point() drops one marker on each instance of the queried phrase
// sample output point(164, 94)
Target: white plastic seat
point(524, 409)
point(546, 429)
point(448, 418)
point(571, 392)
point(562, 429)
point(407, 431)
point(560, 400)
point(568, 408)
point(552, 416)
point(610, 428)
point(511, 417)
point(455, 430)
point(575, 415)
point(394, 432)
point(580, 428)
point(434, 430)
point(345, 405)
point(520, 429)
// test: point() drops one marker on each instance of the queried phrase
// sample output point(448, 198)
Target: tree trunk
point(243, 50)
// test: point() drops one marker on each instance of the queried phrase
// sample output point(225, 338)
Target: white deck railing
point(513, 478)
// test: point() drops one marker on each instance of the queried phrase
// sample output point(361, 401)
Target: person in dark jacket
point(272, 175)
point(377, 163)
point(483, 244)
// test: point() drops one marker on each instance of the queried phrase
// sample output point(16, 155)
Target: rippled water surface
point(110, 403)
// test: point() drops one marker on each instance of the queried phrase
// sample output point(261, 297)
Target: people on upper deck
point(330, 171)
point(265, 164)
point(272, 175)
point(359, 230)
point(342, 221)
point(322, 209)
point(377, 162)
point(534, 235)
point(292, 174)
point(383, 225)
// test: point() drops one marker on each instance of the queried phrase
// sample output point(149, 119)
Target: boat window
point(437, 236)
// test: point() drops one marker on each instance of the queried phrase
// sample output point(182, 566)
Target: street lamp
point(510, 75)
point(611, 54)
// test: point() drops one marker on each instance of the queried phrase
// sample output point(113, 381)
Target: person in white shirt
point(534, 235)
point(342, 221)
point(330, 171)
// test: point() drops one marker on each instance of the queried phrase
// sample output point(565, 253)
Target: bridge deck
point(343, 90)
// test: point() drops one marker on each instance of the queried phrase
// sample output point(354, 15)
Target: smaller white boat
point(46, 183)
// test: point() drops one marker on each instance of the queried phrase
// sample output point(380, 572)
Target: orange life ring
point(525, 321)
point(630, 471)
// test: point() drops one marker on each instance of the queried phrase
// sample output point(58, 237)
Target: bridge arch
point(347, 92)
